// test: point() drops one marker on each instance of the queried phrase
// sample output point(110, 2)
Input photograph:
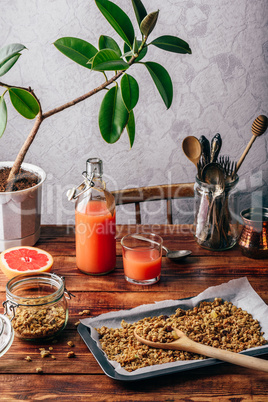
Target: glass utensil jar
point(216, 225)
point(36, 305)
point(95, 223)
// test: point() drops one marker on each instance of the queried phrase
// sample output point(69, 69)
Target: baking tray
point(111, 372)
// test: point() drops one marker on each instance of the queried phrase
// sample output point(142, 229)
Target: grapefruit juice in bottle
point(95, 225)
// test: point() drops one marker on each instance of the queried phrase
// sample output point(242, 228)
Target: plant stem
point(82, 97)
point(42, 116)
point(20, 157)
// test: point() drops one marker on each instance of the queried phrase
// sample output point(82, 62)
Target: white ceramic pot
point(20, 212)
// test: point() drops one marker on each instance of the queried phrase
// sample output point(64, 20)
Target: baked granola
point(219, 324)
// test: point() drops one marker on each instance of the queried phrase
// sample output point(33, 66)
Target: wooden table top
point(80, 378)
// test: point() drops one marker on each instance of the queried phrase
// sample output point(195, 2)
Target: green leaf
point(9, 51)
point(172, 44)
point(77, 50)
point(6, 65)
point(106, 42)
point(135, 46)
point(113, 116)
point(129, 91)
point(128, 55)
point(118, 19)
point(148, 23)
point(139, 10)
point(24, 102)
point(131, 128)
point(162, 81)
point(107, 60)
point(3, 115)
point(141, 55)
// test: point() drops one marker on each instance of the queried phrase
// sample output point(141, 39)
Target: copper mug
point(253, 240)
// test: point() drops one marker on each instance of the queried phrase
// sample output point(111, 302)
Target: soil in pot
point(23, 180)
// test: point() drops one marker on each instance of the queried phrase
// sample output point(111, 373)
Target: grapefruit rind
point(23, 260)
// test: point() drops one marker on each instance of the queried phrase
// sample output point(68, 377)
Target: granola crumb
point(39, 370)
point(53, 357)
point(28, 358)
point(84, 312)
point(50, 348)
point(44, 353)
point(70, 354)
point(70, 343)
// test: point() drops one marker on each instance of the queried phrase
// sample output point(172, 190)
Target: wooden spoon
point(258, 127)
point(192, 149)
point(187, 345)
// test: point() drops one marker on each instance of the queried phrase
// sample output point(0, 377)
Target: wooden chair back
point(154, 193)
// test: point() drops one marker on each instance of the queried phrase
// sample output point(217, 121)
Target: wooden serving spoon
point(186, 344)
point(192, 149)
point(258, 127)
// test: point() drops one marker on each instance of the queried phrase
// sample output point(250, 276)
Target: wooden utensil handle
point(225, 355)
point(245, 152)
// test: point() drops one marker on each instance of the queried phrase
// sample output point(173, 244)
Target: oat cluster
point(219, 324)
point(33, 322)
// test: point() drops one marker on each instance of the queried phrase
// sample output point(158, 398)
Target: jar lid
point(6, 334)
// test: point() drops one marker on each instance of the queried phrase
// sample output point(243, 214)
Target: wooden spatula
point(187, 345)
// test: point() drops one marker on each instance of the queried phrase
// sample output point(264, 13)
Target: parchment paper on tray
point(237, 291)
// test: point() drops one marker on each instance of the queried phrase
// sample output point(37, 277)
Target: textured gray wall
point(221, 87)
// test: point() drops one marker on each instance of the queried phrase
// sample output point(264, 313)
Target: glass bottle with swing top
point(95, 222)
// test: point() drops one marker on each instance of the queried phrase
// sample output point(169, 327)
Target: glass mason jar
point(95, 223)
point(216, 225)
point(36, 305)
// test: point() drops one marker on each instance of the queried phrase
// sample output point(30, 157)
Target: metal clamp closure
point(75, 192)
point(10, 307)
point(66, 291)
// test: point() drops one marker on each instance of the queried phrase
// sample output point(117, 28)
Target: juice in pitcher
point(95, 224)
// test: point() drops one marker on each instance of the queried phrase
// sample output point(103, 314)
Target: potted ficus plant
point(116, 109)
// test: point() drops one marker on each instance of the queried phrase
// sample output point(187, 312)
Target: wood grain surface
point(80, 378)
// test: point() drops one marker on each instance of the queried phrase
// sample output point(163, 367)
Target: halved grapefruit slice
point(25, 260)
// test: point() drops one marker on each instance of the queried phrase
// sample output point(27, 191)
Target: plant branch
point(82, 97)
point(20, 157)
point(42, 116)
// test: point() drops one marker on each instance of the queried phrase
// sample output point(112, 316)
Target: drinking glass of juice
point(142, 258)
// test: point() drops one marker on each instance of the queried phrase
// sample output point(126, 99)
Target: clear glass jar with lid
point(36, 305)
point(6, 334)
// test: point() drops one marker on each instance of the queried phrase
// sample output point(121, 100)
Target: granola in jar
point(36, 305)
